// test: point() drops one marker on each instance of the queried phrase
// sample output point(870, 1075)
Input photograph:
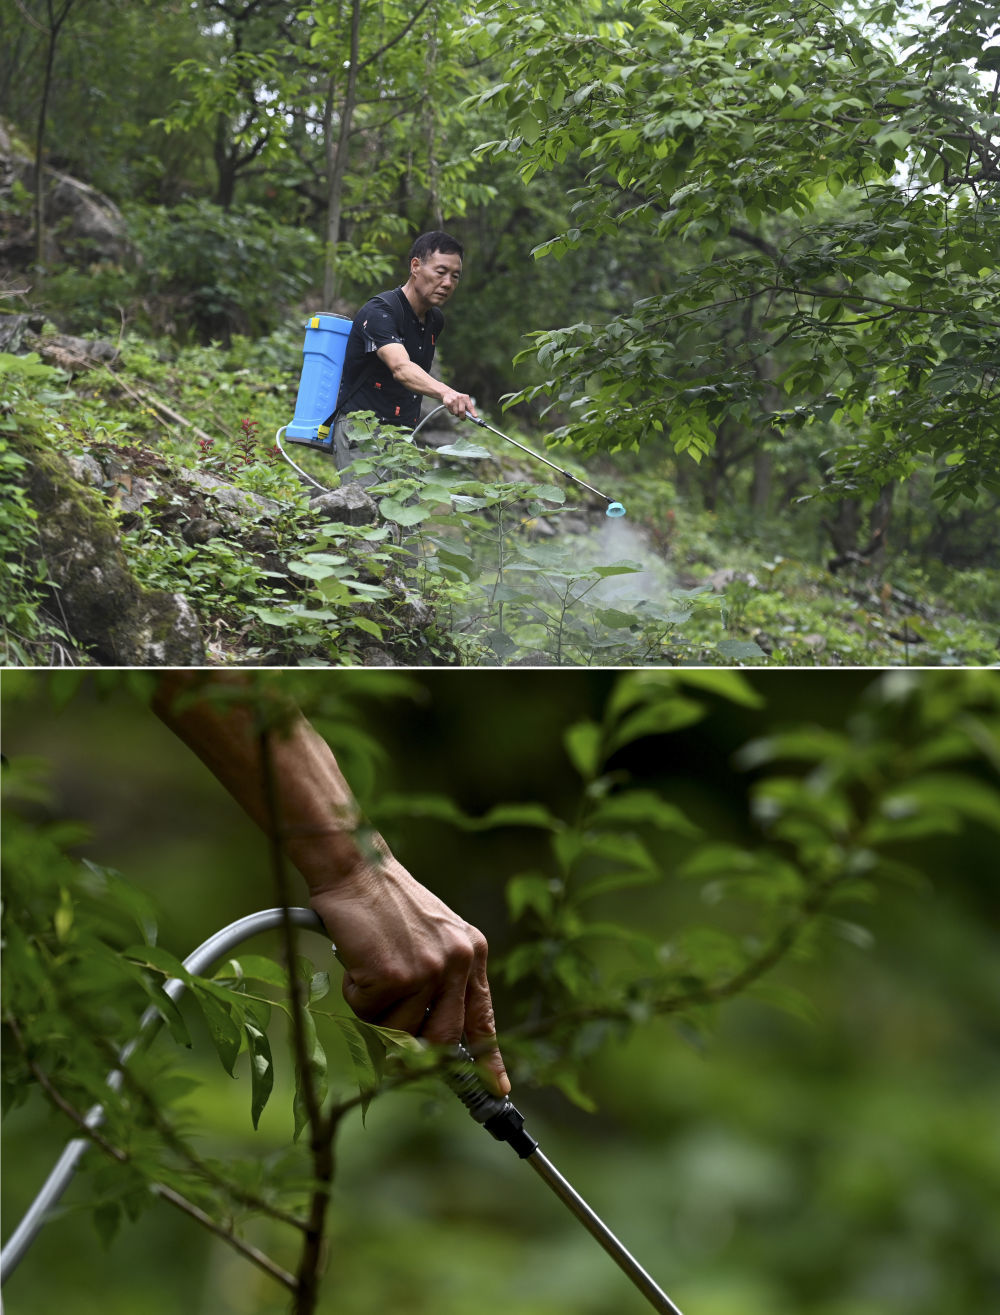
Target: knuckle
point(480, 946)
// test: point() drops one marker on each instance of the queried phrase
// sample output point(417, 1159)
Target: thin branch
point(376, 55)
point(240, 1195)
point(249, 1252)
point(321, 1130)
point(168, 1194)
point(60, 1102)
point(703, 993)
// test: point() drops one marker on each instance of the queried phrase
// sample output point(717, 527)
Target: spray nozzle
point(615, 509)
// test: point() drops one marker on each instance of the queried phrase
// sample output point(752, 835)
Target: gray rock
point(89, 223)
point(92, 218)
point(104, 609)
point(136, 494)
point(199, 530)
point(350, 505)
point(376, 657)
point(234, 499)
point(85, 469)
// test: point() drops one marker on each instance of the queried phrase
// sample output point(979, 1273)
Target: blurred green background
point(845, 1164)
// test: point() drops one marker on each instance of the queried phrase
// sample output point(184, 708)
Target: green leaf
point(612, 881)
point(261, 1069)
point(547, 492)
point(634, 806)
point(320, 567)
point(615, 619)
point(624, 847)
point(938, 796)
point(506, 593)
point(466, 502)
point(616, 568)
point(167, 1009)
point(316, 1062)
point(583, 744)
point(569, 1085)
point(662, 718)
point(403, 515)
point(463, 448)
point(444, 809)
point(223, 1030)
point(107, 1217)
point(808, 743)
point(159, 960)
point(30, 366)
point(254, 967)
point(727, 685)
point(369, 626)
point(367, 1051)
point(531, 890)
point(738, 649)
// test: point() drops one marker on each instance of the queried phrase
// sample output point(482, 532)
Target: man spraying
point(391, 347)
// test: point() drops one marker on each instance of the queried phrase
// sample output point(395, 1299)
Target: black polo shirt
point(367, 383)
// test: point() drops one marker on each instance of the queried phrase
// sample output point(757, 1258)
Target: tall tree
point(838, 175)
point(48, 18)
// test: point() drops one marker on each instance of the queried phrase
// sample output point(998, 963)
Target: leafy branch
point(120, 1156)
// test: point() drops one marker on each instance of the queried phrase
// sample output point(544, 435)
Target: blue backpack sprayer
point(496, 1114)
point(323, 354)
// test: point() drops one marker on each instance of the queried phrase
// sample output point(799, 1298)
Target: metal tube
point(217, 945)
point(597, 1228)
point(538, 457)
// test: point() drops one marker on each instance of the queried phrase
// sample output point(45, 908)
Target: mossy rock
point(105, 610)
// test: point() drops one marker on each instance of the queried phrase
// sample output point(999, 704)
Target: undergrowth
point(471, 560)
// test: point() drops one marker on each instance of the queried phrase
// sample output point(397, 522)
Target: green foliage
point(632, 903)
point(28, 635)
point(806, 175)
point(504, 568)
point(222, 272)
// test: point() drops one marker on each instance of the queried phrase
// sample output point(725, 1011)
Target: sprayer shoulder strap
point(395, 304)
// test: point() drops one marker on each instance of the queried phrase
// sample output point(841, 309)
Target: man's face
point(436, 278)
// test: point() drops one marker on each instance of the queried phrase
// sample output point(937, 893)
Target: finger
point(445, 1021)
point(480, 1028)
point(385, 1003)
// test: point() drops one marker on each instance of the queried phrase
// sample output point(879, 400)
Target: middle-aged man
point(391, 346)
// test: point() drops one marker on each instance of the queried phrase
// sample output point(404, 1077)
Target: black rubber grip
point(497, 1114)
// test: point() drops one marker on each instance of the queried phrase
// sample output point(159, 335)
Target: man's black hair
point(426, 245)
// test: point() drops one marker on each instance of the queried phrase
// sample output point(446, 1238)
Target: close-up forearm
point(303, 799)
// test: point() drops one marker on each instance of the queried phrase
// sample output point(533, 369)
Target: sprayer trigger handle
point(497, 1114)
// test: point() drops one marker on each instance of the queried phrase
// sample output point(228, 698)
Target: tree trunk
point(55, 25)
point(336, 159)
point(843, 528)
point(225, 166)
point(433, 198)
point(760, 486)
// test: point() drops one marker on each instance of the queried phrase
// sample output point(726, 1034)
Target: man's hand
point(411, 962)
point(459, 404)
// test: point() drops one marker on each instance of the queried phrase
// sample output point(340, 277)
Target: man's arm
point(412, 376)
point(411, 962)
